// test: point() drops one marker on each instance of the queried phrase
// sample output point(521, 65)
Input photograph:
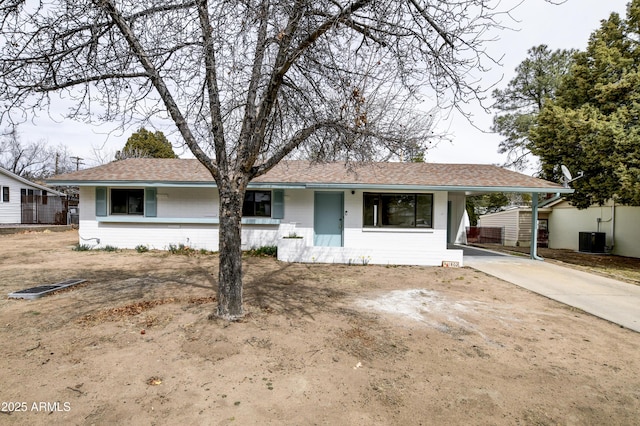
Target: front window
point(257, 203)
point(127, 201)
point(5, 194)
point(398, 210)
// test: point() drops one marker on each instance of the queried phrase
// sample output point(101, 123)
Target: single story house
point(515, 225)
point(25, 202)
point(379, 213)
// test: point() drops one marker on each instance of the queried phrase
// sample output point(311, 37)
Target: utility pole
point(78, 161)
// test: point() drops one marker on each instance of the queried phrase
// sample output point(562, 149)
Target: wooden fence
point(484, 235)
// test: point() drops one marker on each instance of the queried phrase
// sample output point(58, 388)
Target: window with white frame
point(5, 194)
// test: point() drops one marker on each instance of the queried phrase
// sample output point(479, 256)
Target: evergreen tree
point(593, 125)
point(144, 143)
point(537, 79)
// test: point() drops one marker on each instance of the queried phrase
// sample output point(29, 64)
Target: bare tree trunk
point(334, 77)
point(230, 273)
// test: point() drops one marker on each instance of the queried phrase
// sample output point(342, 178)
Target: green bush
point(82, 247)
point(264, 251)
point(141, 248)
point(110, 248)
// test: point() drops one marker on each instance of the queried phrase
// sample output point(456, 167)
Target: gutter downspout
point(613, 226)
point(534, 227)
point(612, 219)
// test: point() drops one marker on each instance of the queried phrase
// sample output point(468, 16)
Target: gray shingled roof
point(27, 182)
point(304, 173)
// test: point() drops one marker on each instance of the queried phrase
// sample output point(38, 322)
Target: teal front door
point(327, 219)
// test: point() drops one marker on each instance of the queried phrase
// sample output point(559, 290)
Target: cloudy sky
point(563, 26)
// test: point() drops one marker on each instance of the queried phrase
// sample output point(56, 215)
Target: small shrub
point(110, 248)
point(264, 251)
point(82, 247)
point(141, 248)
point(364, 261)
point(181, 249)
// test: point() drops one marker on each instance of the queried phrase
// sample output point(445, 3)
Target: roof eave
point(450, 188)
point(28, 182)
point(130, 183)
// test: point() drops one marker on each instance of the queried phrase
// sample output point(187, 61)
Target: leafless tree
point(247, 82)
point(100, 155)
point(32, 160)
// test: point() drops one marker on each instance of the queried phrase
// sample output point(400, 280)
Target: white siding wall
point(380, 246)
point(627, 235)
point(87, 204)
point(566, 222)
point(173, 204)
point(187, 202)
point(298, 212)
point(507, 220)
point(155, 236)
point(10, 212)
point(375, 246)
point(459, 219)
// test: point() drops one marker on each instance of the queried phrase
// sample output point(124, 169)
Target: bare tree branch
point(247, 84)
point(159, 83)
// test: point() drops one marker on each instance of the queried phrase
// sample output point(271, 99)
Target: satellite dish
point(567, 175)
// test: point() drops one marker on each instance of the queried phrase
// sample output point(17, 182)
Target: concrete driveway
point(603, 297)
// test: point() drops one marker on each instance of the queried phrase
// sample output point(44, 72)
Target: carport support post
point(534, 226)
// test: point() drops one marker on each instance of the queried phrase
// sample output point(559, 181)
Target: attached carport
point(515, 183)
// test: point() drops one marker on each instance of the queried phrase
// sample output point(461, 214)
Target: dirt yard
point(321, 344)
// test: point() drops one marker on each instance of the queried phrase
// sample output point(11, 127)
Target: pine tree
point(518, 105)
point(593, 125)
point(144, 143)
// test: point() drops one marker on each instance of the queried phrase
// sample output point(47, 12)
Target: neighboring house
point(382, 213)
point(25, 202)
point(620, 224)
point(515, 223)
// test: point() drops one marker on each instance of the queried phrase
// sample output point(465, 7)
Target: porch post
point(534, 227)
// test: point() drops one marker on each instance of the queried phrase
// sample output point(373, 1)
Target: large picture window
point(257, 203)
point(398, 210)
point(127, 201)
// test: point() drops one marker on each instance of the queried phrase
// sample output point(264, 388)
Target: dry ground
point(321, 344)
